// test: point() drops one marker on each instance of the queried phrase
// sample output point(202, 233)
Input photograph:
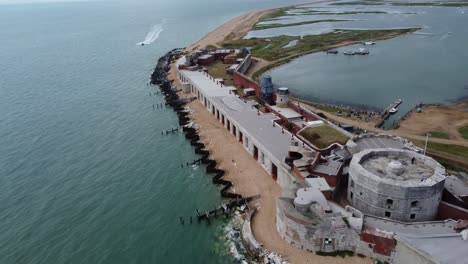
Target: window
point(389, 202)
point(412, 216)
point(352, 183)
point(414, 204)
point(360, 193)
point(351, 195)
point(387, 214)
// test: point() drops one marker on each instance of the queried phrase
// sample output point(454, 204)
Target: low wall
point(250, 243)
point(325, 234)
point(245, 82)
point(450, 211)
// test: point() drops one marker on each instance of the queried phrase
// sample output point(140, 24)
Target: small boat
point(362, 51)
point(142, 44)
point(368, 43)
point(349, 52)
point(393, 110)
point(332, 51)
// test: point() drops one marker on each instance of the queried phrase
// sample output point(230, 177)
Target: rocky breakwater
point(159, 77)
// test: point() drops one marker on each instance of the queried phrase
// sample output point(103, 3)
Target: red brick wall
point(381, 245)
point(306, 114)
point(246, 82)
point(447, 210)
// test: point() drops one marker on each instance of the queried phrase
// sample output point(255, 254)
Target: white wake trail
point(153, 35)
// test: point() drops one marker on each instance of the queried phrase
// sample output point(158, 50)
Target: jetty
point(225, 207)
point(392, 105)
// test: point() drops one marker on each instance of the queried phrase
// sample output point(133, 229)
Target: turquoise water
point(85, 175)
point(428, 66)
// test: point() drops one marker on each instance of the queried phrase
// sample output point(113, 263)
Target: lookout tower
point(282, 97)
point(267, 91)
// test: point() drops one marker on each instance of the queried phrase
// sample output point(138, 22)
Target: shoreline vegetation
point(273, 51)
point(233, 159)
point(381, 2)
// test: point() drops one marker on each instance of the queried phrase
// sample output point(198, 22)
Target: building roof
point(440, 248)
point(204, 57)
point(246, 117)
point(414, 228)
point(331, 167)
point(288, 113)
point(318, 183)
point(456, 186)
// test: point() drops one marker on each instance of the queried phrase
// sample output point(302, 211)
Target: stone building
point(397, 184)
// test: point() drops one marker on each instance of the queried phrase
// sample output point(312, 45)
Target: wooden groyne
point(159, 77)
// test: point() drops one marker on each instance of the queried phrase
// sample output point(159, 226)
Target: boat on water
point(368, 43)
point(332, 51)
point(349, 52)
point(362, 51)
point(393, 110)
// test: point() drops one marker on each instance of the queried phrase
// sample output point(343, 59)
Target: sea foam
point(153, 35)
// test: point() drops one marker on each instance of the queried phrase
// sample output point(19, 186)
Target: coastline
point(248, 176)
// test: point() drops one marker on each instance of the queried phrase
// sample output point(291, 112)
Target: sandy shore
point(249, 178)
point(237, 27)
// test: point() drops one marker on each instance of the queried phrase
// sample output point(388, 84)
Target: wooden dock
point(393, 105)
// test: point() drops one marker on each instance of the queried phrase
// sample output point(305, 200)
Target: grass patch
point(455, 153)
point(218, 70)
point(309, 43)
point(442, 4)
point(463, 132)
point(267, 26)
point(340, 253)
point(375, 2)
point(438, 134)
point(323, 136)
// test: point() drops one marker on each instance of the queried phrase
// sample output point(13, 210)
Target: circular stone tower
point(397, 184)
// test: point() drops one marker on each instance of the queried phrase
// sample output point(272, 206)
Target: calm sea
point(85, 175)
point(429, 66)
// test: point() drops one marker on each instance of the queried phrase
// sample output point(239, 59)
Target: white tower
point(282, 97)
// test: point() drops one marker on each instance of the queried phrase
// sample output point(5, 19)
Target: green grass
point(379, 2)
point(455, 152)
point(323, 136)
point(310, 43)
point(267, 26)
point(438, 134)
point(463, 132)
point(218, 70)
point(375, 2)
point(442, 4)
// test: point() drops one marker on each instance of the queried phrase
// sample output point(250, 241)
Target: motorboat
point(332, 51)
point(349, 52)
point(369, 43)
point(393, 110)
point(362, 51)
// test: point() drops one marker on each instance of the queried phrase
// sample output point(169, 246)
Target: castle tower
point(282, 97)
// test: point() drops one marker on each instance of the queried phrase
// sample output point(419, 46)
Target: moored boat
point(349, 52)
point(393, 110)
point(362, 51)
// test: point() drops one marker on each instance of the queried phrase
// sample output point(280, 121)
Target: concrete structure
point(397, 184)
point(266, 142)
point(374, 141)
point(282, 97)
point(388, 180)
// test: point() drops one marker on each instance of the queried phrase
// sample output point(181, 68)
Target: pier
point(392, 105)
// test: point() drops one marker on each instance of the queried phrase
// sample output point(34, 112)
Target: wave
point(153, 35)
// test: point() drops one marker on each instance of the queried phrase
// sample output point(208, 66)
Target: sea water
point(85, 174)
